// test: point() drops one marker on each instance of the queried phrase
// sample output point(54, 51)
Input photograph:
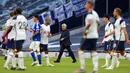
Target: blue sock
point(39, 58)
point(33, 56)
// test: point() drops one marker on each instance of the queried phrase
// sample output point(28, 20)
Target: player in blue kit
point(35, 45)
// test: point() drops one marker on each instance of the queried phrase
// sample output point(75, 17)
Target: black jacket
point(66, 35)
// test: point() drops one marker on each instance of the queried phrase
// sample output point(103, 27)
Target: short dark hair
point(18, 11)
point(11, 14)
point(90, 2)
point(47, 19)
point(36, 16)
point(107, 16)
point(118, 10)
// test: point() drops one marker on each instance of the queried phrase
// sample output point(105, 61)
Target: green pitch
point(66, 67)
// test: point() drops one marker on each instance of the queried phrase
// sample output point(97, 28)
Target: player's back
point(94, 19)
point(20, 25)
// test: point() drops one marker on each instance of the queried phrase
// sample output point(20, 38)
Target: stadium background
point(71, 12)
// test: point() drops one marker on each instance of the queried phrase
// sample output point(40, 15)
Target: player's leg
point(20, 54)
point(4, 47)
point(6, 53)
point(94, 54)
point(126, 55)
point(114, 56)
point(71, 54)
point(45, 48)
point(84, 45)
point(14, 60)
point(11, 53)
point(108, 56)
point(122, 51)
point(37, 46)
point(9, 59)
point(32, 46)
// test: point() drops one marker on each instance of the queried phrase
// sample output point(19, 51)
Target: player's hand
point(49, 35)
point(128, 42)
point(31, 37)
point(102, 44)
point(32, 31)
point(84, 33)
point(3, 39)
point(62, 39)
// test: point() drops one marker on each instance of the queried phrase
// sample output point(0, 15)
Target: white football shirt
point(92, 32)
point(119, 34)
point(11, 34)
point(45, 29)
point(108, 29)
point(20, 23)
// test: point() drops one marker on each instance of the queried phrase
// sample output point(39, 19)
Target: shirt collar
point(108, 23)
point(37, 23)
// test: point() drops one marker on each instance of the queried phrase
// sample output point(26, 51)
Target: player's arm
point(87, 26)
point(49, 33)
point(98, 26)
point(126, 35)
point(112, 31)
point(28, 29)
point(7, 31)
point(36, 33)
point(98, 22)
point(123, 25)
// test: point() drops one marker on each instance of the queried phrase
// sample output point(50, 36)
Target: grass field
point(66, 67)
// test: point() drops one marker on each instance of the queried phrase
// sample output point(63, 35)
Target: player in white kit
point(121, 37)
point(19, 25)
point(45, 34)
point(10, 44)
point(90, 38)
point(108, 40)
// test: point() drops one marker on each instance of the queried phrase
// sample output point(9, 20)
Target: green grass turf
point(66, 66)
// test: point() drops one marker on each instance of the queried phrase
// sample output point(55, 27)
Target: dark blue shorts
point(4, 46)
point(120, 45)
point(19, 44)
point(11, 44)
point(88, 44)
point(108, 45)
point(43, 47)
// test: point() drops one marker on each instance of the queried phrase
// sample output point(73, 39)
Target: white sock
point(117, 60)
point(108, 56)
point(114, 60)
point(14, 62)
point(127, 56)
point(21, 60)
point(5, 52)
point(9, 58)
point(82, 59)
point(47, 59)
point(95, 59)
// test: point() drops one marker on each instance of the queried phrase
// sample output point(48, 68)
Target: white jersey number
point(23, 25)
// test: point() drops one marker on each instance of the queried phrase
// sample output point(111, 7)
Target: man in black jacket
point(65, 44)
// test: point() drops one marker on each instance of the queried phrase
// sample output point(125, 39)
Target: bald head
point(64, 26)
point(48, 21)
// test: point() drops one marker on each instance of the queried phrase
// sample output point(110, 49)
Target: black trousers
point(62, 50)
